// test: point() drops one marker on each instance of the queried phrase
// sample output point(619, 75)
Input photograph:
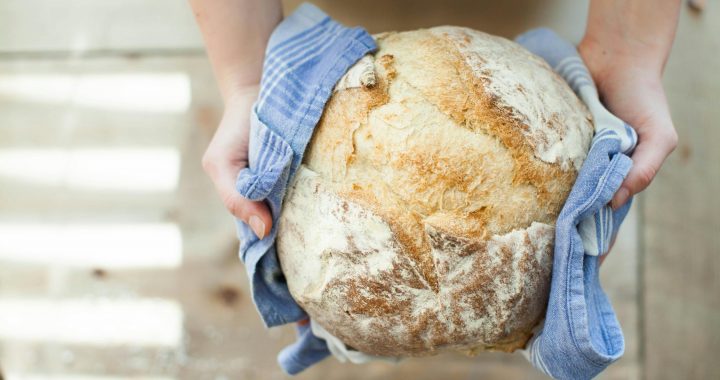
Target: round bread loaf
point(422, 216)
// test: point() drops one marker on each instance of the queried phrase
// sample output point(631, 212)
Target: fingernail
point(257, 226)
point(620, 198)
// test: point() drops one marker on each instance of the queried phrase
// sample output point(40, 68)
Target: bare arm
point(236, 33)
point(626, 45)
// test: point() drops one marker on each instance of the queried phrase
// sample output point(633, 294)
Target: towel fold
point(306, 55)
point(581, 335)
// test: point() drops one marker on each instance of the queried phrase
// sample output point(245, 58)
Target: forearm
point(639, 33)
point(236, 33)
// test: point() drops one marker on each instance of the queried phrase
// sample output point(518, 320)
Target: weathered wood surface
point(222, 334)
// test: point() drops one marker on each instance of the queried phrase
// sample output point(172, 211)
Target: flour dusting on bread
point(422, 217)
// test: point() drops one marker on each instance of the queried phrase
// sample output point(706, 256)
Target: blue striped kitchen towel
point(306, 55)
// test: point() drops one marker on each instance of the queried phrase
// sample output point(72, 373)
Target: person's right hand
point(227, 154)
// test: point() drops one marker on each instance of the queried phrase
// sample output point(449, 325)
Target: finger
point(647, 159)
point(254, 213)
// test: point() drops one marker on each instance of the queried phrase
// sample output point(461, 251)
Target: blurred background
point(117, 261)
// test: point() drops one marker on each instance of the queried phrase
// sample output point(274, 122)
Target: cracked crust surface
point(421, 218)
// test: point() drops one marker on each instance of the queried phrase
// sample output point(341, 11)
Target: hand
point(227, 154)
point(633, 91)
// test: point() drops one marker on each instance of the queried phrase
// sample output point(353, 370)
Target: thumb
point(647, 159)
point(254, 213)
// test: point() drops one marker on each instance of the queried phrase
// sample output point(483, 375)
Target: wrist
point(240, 95)
point(631, 34)
point(609, 63)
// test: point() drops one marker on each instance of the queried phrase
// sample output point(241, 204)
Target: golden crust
point(447, 165)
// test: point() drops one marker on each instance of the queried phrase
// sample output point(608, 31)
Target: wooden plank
point(43, 114)
point(505, 18)
point(81, 26)
point(681, 213)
